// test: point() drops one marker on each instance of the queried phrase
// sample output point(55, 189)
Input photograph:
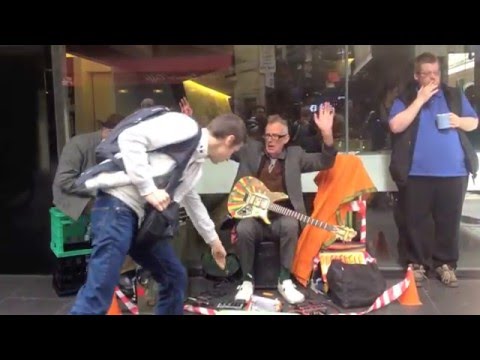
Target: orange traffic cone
point(410, 296)
point(114, 307)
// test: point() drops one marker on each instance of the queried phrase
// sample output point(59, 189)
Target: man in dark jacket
point(77, 156)
point(280, 169)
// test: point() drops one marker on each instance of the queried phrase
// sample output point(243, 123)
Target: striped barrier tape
point(199, 310)
point(126, 301)
point(386, 298)
point(360, 206)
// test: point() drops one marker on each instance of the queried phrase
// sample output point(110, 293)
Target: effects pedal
point(231, 305)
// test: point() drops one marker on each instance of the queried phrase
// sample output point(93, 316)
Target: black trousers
point(251, 230)
point(440, 199)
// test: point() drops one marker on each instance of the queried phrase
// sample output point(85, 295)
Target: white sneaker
point(245, 291)
point(290, 293)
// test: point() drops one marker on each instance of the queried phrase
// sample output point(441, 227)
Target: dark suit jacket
point(77, 156)
point(297, 161)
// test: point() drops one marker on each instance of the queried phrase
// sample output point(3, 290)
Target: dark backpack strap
point(182, 162)
point(157, 225)
point(108, 148)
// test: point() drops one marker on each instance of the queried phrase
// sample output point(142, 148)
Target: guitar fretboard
point(303, 218)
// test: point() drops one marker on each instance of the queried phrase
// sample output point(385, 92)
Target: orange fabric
point(337, 187)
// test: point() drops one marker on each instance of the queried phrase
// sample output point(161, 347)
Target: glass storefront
point(28, 138)
point(360, 80)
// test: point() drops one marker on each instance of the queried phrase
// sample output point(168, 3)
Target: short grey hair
point(272, 119)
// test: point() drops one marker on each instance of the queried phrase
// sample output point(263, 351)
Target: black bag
point(157, 225)
point(108, 148)
point(354, 285)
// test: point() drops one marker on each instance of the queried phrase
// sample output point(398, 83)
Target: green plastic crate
point(67, 235)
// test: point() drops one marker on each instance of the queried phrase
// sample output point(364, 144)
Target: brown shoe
point(418, 273)
point(447, 276)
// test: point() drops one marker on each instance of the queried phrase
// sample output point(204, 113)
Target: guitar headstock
point(345, 233)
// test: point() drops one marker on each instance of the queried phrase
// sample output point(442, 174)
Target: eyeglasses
point(275, 137)
point(430, 73)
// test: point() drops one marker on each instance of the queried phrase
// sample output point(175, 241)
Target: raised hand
point(426, 92)
point(324, 118)
point(185, 107)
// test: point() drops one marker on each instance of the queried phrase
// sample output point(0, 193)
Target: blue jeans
point(114, 226)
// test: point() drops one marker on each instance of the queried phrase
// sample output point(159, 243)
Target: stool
point(266, 265)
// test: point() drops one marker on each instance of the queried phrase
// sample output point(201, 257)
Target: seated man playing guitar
point(279, 168)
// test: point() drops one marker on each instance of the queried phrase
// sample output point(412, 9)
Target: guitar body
point(251, 198)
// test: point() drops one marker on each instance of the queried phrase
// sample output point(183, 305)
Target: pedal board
point(231, 305)
point(198, 301)
point(311, 310)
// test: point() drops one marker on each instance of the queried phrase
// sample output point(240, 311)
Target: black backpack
point(109, 147)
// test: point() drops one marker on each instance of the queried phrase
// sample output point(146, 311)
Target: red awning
point(183, 64)
point(161, 69)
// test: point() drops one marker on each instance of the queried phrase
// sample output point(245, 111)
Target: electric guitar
point(251, 198)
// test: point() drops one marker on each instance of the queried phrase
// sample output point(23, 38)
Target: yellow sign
point(347, 257)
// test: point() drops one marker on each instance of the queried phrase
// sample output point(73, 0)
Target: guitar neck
point(300, 217)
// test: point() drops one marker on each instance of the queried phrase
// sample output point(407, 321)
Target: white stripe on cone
point(126, 301)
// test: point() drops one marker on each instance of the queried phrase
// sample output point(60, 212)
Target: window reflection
point(255, 81)
point(284, 79)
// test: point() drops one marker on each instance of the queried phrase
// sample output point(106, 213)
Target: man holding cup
point(431, 160)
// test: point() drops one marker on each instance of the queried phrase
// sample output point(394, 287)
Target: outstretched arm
point(204, 225)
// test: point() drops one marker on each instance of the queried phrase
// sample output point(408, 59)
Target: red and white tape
point(126, 301)
point(199, 310)
point(386, 298)
point(360, 206)
point(134, 308)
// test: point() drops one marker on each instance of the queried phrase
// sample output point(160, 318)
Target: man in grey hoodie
point(120, 206)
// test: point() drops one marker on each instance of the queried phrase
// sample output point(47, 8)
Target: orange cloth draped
point(337, 187)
